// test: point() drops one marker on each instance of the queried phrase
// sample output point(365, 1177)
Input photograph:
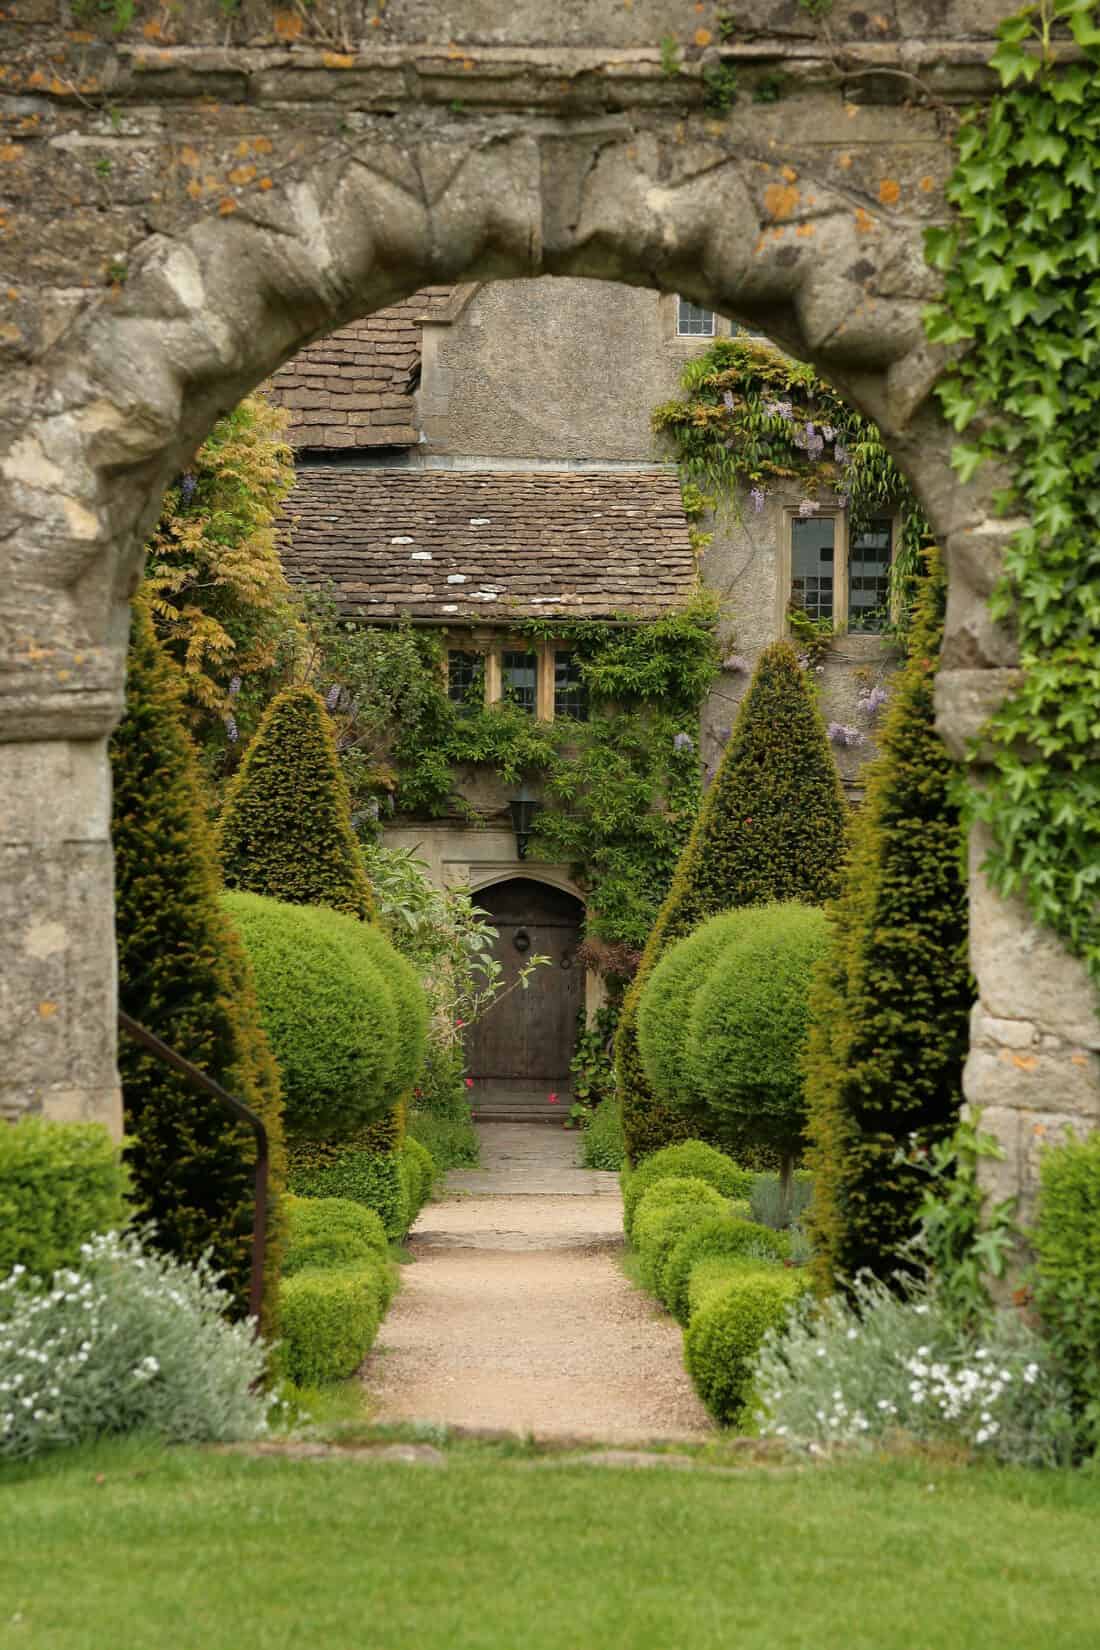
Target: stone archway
point(341, 169)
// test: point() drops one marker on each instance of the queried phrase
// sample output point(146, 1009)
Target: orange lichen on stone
point(927, 183)
point(266, 183)
point(242, 174)
point(10, 152)
point(845, 161)
point(243, 147)
point(1022, 1062)
point(152, 30)
point(194, 189)
point(190, 157)
point(288, 25)
point(864, 221)
point(468, 63)
point(262, 145)
point(889, 191)
point(338, 60)
point(45, 1010)
point(780, 200)
point(805, 230)
point(790, 174)
point(703, 37)
point(226, 206)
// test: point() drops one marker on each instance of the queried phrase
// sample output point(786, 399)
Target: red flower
point(469, 1082)
point(553, 1099)
point(459, 1024)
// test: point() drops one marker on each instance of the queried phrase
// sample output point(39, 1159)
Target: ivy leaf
point(1042, 148)
point(965, 460)
point(1083, 29)
point(1010, 62)
point(940, 247)
point(1038, 261)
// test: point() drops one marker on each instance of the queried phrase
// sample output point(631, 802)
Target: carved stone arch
point(532, 873)
point(544, 141)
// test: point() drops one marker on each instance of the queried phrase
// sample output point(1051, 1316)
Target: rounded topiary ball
point(665, 1004)
point(688, 1157)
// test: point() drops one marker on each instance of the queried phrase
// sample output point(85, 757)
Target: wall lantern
point(523, 809)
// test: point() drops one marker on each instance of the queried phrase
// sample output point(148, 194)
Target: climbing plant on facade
point(619, 789)
point(1022, 294)
point(752, 419)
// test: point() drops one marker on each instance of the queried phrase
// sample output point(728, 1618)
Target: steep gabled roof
point(356, 388)
point(447, 544)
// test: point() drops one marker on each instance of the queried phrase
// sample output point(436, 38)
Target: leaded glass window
point(692, 321)
point(570, 692)
point(813, 565)
point(519, 680)
point(869, 557)
point(464, 677)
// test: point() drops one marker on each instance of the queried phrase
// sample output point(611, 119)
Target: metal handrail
point(208, 1085)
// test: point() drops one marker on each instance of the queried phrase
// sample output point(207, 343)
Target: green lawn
point(130, 1548)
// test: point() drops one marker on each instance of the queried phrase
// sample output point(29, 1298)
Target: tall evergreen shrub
point(891, 998)
point(286, 826)
point(771, 827)
point(184, 975)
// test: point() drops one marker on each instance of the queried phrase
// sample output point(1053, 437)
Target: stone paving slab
point(530, 1160)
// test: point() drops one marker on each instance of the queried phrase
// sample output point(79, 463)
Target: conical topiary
point(771, 827)
point(891, 1000)
point(183, 974)
point(286, 826)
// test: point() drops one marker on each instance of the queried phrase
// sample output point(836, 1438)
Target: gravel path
point(516, 1315)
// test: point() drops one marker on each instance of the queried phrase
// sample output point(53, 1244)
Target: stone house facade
point(485, 453)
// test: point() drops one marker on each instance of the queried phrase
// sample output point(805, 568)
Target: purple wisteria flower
point(873, 700)
point(231, 732)
point(757, 496)
point(234, 686)
point(779, 409)
point(841, 734)
point(840, 453)
point(808, 507)
point(683, 742)
point(727, 401)
point(188, 486)
point(332, 697)
point(735, 662)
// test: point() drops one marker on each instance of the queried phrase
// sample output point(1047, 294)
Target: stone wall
point(184, 205)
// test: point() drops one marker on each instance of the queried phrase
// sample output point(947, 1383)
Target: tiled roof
point(444, 544)
point(356, 387)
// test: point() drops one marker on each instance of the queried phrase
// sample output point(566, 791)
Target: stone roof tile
point(436, 543)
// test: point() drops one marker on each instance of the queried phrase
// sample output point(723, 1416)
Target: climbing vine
point(618, 789)
point(752, 417)
point(1022, 298)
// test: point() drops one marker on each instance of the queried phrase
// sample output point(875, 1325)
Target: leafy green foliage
point(748, 1025)
point(330, 1231)
point(964, 1240)
point(721, 1237)
point(890, 1003)
point(1020, 267)
point(345, 1014)
point(693, 1159)
point(184, 975)
point(220, 600)
point(329, 1318)
point(286, 824)
point(665, 1009)
point(771, 827)
point(668, 1209)
point(1067, 1283)
point(751, 417)
point(418, 1176)
point(59, 1183)
point(602, 1143)
point(726, 1329)
point(365, 1167)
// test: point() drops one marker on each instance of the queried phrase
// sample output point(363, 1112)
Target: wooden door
point(526, 1040)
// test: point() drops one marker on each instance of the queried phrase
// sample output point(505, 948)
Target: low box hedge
point(344, 1169)
point(418, 1171)
point(734, 1304)
point(331, 1232)
point(329, 1317)
point(722, 1237)
point(668, 1210)
point(688, 1157)
point(59, 1183)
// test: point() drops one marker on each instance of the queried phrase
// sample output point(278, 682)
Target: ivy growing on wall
point(619, 790)
point(751, 419)
point(1022, 295)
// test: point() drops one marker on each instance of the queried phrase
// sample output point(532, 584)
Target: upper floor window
point(570, 692)
point(840, 578)
point(519, 679)
point(692, 321)
point(465, 674)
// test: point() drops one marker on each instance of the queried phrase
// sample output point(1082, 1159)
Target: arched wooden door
point(520, 1051)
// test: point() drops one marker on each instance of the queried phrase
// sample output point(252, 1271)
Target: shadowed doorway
point(519, 1054)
